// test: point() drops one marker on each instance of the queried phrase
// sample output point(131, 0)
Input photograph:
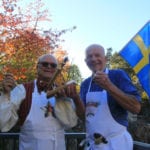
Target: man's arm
point(127, 101)
point(10, 100)
point(71, 92)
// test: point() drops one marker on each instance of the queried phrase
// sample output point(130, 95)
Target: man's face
point(95, 59)
point(46, 67)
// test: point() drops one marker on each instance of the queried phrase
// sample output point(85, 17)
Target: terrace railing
point(9, 141)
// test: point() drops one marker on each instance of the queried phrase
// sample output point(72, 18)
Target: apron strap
point(106, 71)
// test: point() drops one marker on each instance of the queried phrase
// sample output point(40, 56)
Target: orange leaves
point(60, 54)
point(63, 77)
point(21, 53)
point(9, 49)
point(22, 42)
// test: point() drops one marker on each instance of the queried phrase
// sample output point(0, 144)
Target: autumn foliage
point(22, 41)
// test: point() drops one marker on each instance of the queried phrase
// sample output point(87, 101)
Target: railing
point(9, 141)
point(141, 146)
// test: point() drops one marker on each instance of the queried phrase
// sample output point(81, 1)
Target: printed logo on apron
point(91, 108)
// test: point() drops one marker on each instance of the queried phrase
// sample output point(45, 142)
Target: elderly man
point(108, 95)
point(28, 106)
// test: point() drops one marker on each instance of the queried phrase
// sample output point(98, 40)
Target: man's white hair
point(95, 46)
point(46, 55)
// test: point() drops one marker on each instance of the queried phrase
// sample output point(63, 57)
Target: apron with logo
point(40, 132)
point(99, 121)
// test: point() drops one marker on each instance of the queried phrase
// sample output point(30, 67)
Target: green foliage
point(74, 74)
point(145, 111)
point(116, 61)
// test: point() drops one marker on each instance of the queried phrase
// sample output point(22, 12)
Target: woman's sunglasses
point(47, 64)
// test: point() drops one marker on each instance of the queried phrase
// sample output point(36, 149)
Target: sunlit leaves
point(22, 41)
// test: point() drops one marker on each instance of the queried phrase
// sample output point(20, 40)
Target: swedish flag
point(137, 54)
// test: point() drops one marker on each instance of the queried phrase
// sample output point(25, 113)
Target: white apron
point(40, 132)
point(99, 120)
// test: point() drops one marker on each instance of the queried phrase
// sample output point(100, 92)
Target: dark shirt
point(124, 83)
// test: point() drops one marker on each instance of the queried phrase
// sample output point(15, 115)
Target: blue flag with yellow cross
point(137, 54)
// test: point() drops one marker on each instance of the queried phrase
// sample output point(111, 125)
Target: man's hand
point(71, 90)
point(8, 83)
point(66, 90)
point(102, 79)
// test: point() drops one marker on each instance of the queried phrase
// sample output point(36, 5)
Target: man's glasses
point(47, 64)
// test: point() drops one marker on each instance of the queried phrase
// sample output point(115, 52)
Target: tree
point(74, 73)
point(118, 62)
point(69, 71)
point(21, 42)
point(21, 39)
point(108, 55)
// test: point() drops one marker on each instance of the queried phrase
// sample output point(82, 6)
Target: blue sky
point(111, 23)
